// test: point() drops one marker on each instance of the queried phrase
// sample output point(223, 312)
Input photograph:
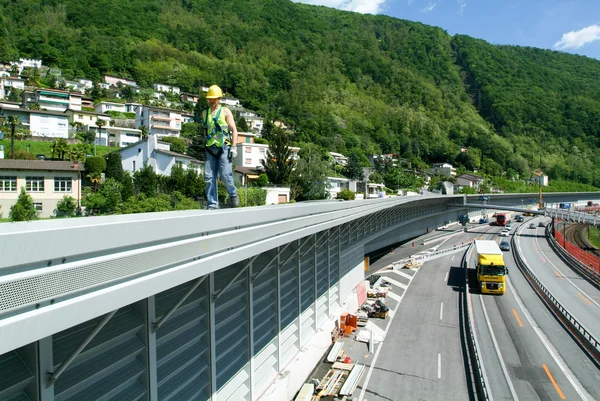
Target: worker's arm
point(232, 128)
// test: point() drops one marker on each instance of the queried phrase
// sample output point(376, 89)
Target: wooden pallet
point(332, 382)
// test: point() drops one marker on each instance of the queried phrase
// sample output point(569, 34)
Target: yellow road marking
point(558, 275)
point(558, 390)
point(584, 298)
point(517, 317)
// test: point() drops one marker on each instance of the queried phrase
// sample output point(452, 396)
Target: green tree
point(268, 129)
point(278, 163)
point(177, 144)
point(346, 195)
point(241, 124)
point(309, 177)
point(14, 122)
point(13, 95)
point(190, 130)
point(23, 210)
point(60, 148)
point(353, 169)
point(66, 207)
point(263, 180)
point(145, 181)
point(95, 164)
point(114, 166)
point(144, 131)
point(126, 186)
point(101, 123)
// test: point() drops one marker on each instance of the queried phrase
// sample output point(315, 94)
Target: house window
point(247, 139)
point(38, 207)
point(62, 184)
point(8, 184)
point(179, 164)
point(34, 184)
point(134, 165)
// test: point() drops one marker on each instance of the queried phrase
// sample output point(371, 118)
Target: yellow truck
point(491, 270)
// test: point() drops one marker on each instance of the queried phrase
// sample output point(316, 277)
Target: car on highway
point(508, 226)
point(505, 245)
point(519, 219)
point(531, 225)
point(542, 224)
point(504, 233)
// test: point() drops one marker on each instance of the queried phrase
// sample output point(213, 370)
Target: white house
point(469, 181)
point(336, 185)
point(159, 120)
point(150, 151)
point(8, 83)
point(114, 81)
point(252, 154)
point(46, 181)
point(166, 88)
point(53, 99)
point(49, 124)
point(445, 169)
point(105, 107)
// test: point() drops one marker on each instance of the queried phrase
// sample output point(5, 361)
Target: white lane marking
point(439, 366)
point(553, 265)
point(441, 311)
point(550, 348)
point(396, 283)
point(446, 278)
point(394, 296)
point(387, 328)
point(401, 274)
point(502, 364)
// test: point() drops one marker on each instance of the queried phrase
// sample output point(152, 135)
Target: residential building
point(132, 107)
point(468, 181)
point(337, 184)
point(87, 121)
point(26, 62)
point(160, 121)
point(114, 81)
point(254, 123)
point(9, 83)
point(166, 88)
point(85, 84)
point(187, 118)
point(230, 102)
point(245, 137)
point(53, 99)
point(190, 97)
point(46, 181)
point(158, 155)
point(105, 107)
point(48, 124)
point(87, 102)
point(246, 113)
point(445, 169)
point(282, 124)
point(121, 137)
point(252, 154)
point(104, 85)
point(339, 158)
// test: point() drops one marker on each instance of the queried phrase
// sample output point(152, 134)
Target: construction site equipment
point(335, 351)
point(352, 381)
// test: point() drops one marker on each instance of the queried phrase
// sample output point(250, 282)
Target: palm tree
point(100, 124)
point(95, 179)
point(61, 147)
point(14, 122)
point(144, 130)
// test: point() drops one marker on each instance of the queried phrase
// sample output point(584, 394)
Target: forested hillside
point(346, 81)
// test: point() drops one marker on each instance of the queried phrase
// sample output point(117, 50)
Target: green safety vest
point(217, 129)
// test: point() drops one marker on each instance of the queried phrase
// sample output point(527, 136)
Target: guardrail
point(592, 276)
point(590, 344)
point(427, 256)
point(479, 376)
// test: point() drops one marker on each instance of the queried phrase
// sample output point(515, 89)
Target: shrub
point(95, 164)
point(66, 207)
point(346, 194)
point(261, 141)
point(263, 180)
point(23, 210)
point(252, 196)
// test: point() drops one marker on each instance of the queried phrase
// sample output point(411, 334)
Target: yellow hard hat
point(214, 92)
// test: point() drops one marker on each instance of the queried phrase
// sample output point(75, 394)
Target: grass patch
point(593, 236)
point(41, 148)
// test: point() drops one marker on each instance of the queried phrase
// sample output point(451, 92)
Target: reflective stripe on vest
point(217, 137)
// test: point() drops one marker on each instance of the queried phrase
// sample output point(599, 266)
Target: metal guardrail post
point(589, 344)
point(479, 376)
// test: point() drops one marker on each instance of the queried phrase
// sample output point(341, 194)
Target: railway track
point(575, 234)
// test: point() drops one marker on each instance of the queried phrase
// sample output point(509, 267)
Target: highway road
point(423, 357)
point(527, 355)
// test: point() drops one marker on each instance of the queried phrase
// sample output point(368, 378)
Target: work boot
point(234, 201)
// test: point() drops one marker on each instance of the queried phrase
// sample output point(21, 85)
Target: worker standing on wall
point(221, 137)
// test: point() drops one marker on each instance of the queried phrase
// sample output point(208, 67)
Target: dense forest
point(348, 82)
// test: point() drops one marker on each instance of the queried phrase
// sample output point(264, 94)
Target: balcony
point(161, 118)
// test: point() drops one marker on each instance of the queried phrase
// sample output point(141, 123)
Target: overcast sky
point(569, 26)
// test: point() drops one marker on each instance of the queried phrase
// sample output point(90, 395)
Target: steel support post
point(275, 258)
point(45, 364)
point(299, 280)
point(278, 311)
point(316, 293)
point(54, 376)
point(212, 337)
point(151, 359)
point(250, 299)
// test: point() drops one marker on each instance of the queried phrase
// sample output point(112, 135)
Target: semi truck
point(491, 270)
